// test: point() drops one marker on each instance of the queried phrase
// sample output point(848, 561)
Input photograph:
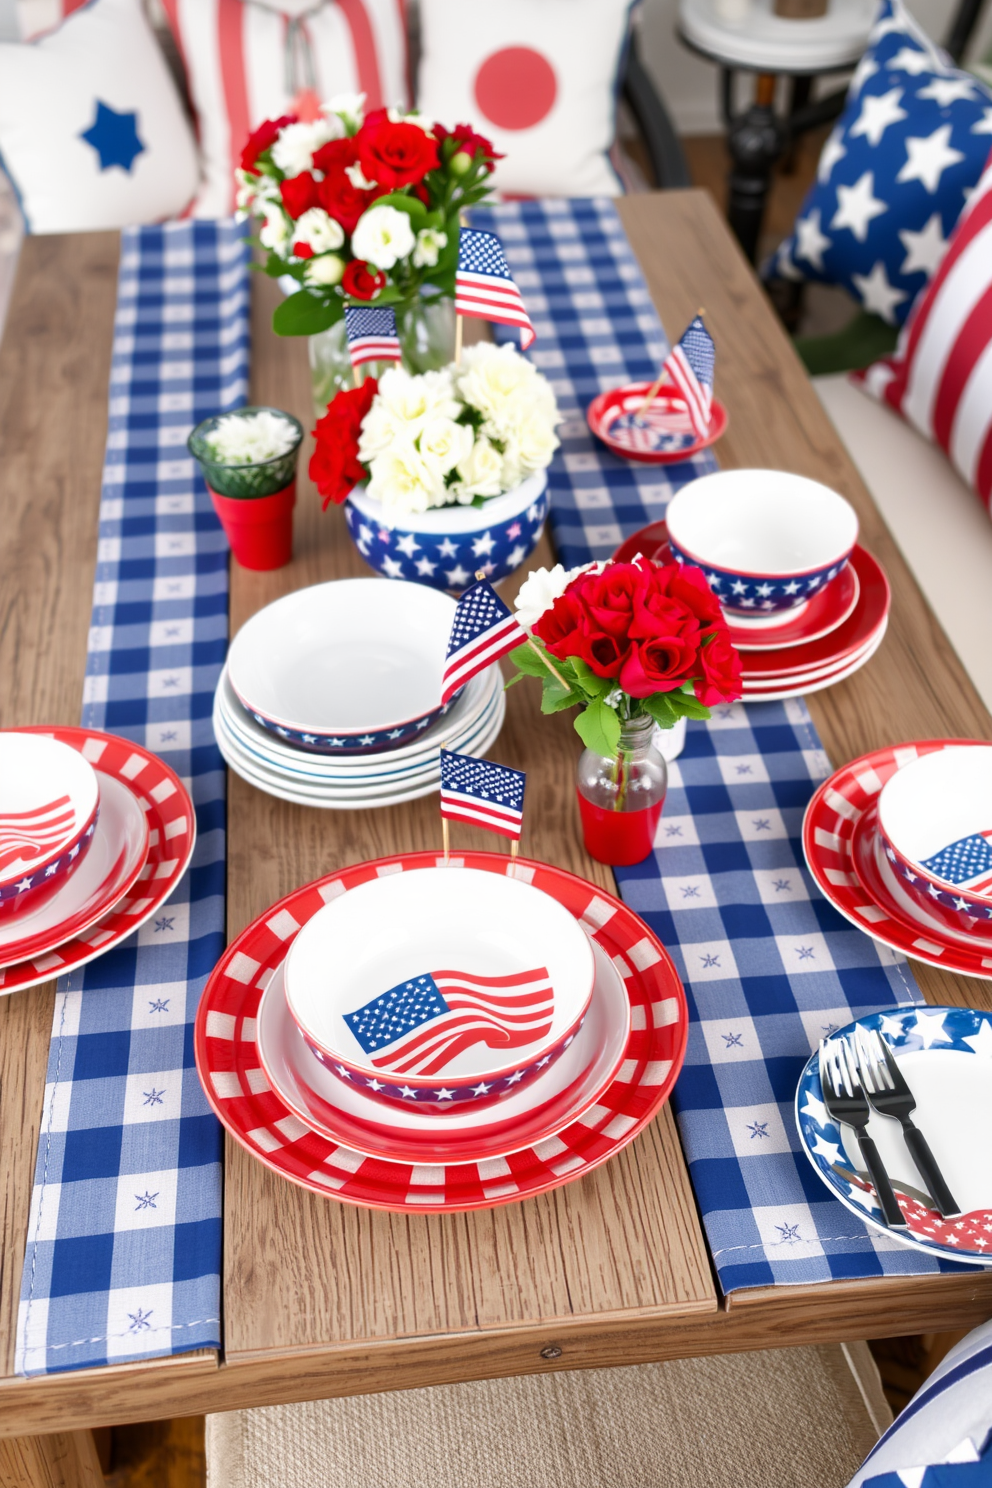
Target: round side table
point(747, 36)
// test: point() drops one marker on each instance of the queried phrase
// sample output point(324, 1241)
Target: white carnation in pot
point(403, 405)
point(480, 473)
point(445, 442)
point(501, 384)
point(382, 236)
point(404, 481)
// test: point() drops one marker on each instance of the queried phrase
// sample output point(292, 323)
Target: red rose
point(659, 664)
point(395, 155)
point(334, 465)
point(610, 597)
point(341, 200)
point(299, 194)
point(465, 138)
point(263, 139)
point(721, 668)
point(335, 155)
point(361, 282)
point(566, 630)
point(688, 584)
point(302, 250)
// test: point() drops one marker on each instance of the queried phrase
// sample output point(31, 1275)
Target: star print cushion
point(894, 174)
point(92, 131)
point(940, 377)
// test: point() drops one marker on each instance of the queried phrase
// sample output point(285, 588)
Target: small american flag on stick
point(371, 332)
point(484, 286)
point(690, 366)
point(477, 791)
point(482, 631)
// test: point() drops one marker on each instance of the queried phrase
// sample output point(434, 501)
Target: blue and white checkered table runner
point(124, 1238)
point(769, 966)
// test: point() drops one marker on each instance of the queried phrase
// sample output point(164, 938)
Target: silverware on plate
point(885, 1086)
point(846, 1103)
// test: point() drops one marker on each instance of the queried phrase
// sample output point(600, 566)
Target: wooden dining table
point(323, 1299)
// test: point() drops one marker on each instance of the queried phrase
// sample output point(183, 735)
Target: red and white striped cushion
point(236, 63)
point(940, 376)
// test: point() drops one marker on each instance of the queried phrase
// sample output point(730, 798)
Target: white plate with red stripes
point(830, 839)
point(241, 1095)
point(168, 811)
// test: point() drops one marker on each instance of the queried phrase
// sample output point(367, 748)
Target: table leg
point(67, 1459)
point(755, 139)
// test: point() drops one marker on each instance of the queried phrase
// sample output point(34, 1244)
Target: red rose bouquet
point(620, 640)
point(359, 207)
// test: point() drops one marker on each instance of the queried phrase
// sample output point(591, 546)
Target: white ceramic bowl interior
point(35, 773)
point(762, 522)
point(350, 656)
point(425, 920)
point(935, 800)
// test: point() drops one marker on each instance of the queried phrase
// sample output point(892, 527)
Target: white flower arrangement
point(458, 436)
point(250, 438)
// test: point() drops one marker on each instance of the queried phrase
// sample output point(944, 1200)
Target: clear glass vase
point(426, 328)
point(620, 800)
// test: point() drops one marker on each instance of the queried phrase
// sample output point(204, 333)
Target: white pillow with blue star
point(894, 174)
point(92, 130)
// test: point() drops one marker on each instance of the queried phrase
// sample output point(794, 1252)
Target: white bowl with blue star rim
point(349, 667)
point(437, 987)
point(765, 539)
point(445, 547)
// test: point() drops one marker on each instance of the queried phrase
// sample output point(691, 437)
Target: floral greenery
point(621, 640)
point(360, 208)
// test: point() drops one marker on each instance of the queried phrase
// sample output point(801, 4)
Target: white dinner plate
point(816, 684)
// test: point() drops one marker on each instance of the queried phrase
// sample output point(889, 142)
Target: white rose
point(430, 241)
point(275, 232)
point(481, 472)
point(499, 382)
point(328, 269)
point(404, 481)
point(382, 237)
point(543, 586)
point(349, 107)
point(294, 149)
point(410, 401)
point(534, 442)
point(445, 442)
point(318, 230)
point(380, 429)
point(512, 471)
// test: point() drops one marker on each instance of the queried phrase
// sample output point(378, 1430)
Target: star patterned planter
point(446, 546)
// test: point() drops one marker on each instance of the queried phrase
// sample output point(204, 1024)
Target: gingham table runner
point(769, 966)
point(124, 1237)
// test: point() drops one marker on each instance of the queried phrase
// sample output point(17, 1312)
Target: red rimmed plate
point(821, 615)
point(171, 838)
point(828, 840)
point(117, 855)
point(541, 1110)
point(660, 436)
point(227, 1057)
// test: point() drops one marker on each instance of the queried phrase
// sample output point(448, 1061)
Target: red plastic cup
point(259, 528)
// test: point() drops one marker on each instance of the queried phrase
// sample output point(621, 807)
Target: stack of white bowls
point(331, 696)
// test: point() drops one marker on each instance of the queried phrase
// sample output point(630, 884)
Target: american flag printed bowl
point(437, 987)
point(766, 540)
point(345, 668)
point(445, 547)
point(935, 828)
point(49, 802)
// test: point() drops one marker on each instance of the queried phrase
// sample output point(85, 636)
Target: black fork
point(885, 1086)
point(845, 1102)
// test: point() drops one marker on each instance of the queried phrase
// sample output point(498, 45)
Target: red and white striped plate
point(236, 1086)
point(829, 827)
point(171, 837)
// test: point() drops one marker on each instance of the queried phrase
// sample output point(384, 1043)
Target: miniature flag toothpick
point(371, 332)
point(487, 795)
point(482, 631)
point(690, 366)
point(484, 286)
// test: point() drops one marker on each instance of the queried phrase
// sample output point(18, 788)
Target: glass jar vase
point(620, 800)
point(426, 330)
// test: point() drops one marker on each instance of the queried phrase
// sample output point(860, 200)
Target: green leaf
point(691, 706)
point(591, 684)
point(302, 314)
point(661, 709)
point(599, 729)
point(526, 660)
point(413, 207)
point(555, 699)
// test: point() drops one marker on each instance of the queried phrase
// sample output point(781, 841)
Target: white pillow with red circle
point(540, 78)
point(245, 61)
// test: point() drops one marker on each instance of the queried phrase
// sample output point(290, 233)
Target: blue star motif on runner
point(114, 137)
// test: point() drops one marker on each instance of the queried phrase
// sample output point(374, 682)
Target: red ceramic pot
point(259, 528)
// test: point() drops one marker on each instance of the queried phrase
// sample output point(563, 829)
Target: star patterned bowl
point(935, 827)
point(446, 546)
point(349, 667)
point(433, 987)
point(49, 803)
point(765, 539)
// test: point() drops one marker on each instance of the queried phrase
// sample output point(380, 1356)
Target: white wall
point(689, 85)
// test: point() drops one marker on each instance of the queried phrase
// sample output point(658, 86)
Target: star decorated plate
point(241, 1095)
point(659, 436)
point(945, 1055)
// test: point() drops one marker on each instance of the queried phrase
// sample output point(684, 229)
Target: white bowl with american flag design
point(49, 800)
point(438, 986)
point(935, 828)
